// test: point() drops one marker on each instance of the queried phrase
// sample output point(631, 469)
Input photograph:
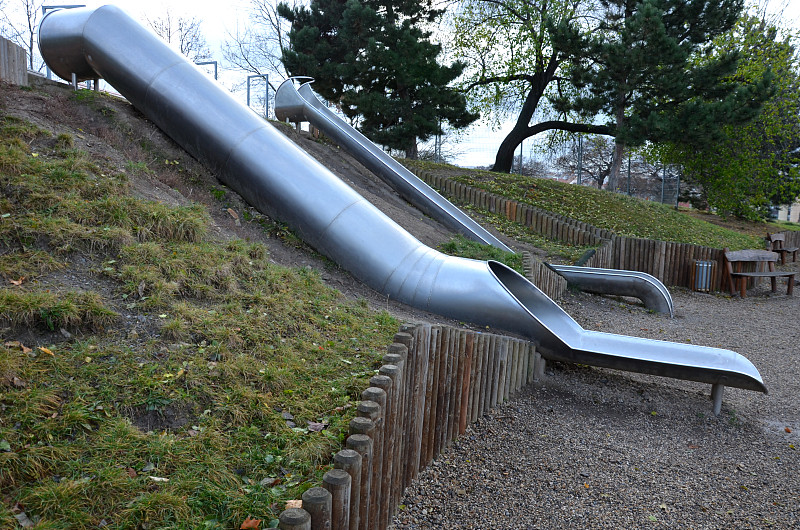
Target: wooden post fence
point(436, 380)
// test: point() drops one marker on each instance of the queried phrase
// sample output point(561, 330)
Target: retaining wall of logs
point(436, 380)
point(547, 224)
point(669, 262)
point(13, 63)
point(543, 277)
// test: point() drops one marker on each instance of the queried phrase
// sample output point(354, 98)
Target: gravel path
point(596, 448)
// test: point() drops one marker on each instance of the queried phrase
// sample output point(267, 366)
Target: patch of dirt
point(170, 417)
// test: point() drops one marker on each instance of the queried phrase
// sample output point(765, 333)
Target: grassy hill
point(624, 215)
point(153, 372)
point(158, 368)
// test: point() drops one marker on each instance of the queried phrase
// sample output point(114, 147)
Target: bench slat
point(765, 274)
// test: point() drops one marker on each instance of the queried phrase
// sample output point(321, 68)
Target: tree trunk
point(412, 153)
point(616, 164)
point(504, 160)
point(619, 148)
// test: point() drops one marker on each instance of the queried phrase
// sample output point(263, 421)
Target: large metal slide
point(277, 177)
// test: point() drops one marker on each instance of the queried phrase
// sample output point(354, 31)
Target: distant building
point(790, 213)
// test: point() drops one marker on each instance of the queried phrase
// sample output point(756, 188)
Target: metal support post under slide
point(274, 175)
point(717, 390)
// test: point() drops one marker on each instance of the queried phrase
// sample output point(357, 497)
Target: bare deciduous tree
point(258, 47)
point(183, 33)
point(19, 23)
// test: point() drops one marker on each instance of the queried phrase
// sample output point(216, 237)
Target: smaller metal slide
point(277, 177)
point(302, 105)
point(641, 285)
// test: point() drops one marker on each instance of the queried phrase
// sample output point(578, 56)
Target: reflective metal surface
point(302, 105)
point(641, 285)
point(280, 179)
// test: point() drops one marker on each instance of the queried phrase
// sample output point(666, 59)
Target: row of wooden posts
point(13, 63)
point(546, 279)
point(548, 224)
point(436, 380)
point(670, 262)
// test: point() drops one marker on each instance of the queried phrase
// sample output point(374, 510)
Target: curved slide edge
point(280, 179)
point(647, 288)
point(303, 105)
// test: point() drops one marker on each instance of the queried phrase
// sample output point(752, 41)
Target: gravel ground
point(596, 448)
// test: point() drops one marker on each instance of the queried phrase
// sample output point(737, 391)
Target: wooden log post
point(391, 446)
point(466, 388)
point(397, 355)
point(514, 372)
point(502, 371)
point(294, 519)
point(484, 390)
point(317, 502)
point(430, 397)
point(475, 378)
point(494, 366)
point(440, 425)
point(421, 368)
point(458, 378)
point(338, 482)
point(385, 382)
point(409, 378)
point(362, 444)
point(378, 396)
point(350, 461)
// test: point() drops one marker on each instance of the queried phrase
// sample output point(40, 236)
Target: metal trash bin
point(703, 275)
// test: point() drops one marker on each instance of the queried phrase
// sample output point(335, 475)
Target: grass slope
point(624, 215)
point(150, 375)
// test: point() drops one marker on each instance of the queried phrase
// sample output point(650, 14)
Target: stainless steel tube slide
point(641, 285)
point(277, 177)
point(302, 105)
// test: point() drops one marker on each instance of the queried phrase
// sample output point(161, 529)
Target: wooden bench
point(739, 258)
point(777, 243)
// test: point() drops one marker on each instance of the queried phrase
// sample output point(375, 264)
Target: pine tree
point(373, 58)
point(639, 68)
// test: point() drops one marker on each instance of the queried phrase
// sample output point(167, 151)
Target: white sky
point(477, 147)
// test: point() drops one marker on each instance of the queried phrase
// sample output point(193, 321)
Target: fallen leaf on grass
point(17, 282)
point(23, 520)
point(131, 472)
point(47, 351)
point(18, 344)
point(158, 479)
point(17, 382)
point(250, 523)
